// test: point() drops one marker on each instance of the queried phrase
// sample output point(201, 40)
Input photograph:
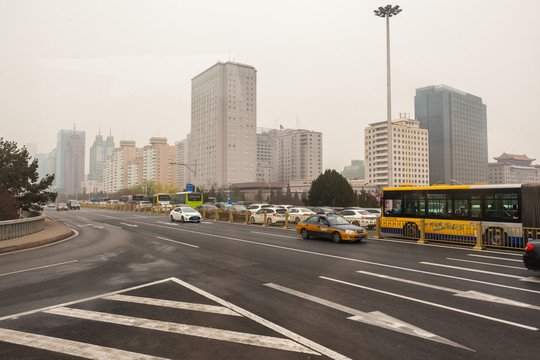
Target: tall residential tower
point(223, 139)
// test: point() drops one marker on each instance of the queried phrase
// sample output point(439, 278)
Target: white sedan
point(360, 218)
point(185, 213)
point(272, 216)
point(297, 214)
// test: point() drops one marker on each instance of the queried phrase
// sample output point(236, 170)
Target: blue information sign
point(189, 187)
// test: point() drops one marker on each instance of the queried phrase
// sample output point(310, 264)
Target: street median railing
point(10, 229)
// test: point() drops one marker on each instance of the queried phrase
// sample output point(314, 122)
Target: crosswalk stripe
point(75, 348)
point(173, 304)
point(184, 329)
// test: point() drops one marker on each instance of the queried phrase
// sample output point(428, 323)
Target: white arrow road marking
point(375, 318)
point(485, 263)
point(434, 304)
point(473, 270)
point(466, 294)
point(185, 329)
point(69, 347)
point(131, 225)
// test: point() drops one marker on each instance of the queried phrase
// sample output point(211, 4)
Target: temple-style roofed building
point(513, 169)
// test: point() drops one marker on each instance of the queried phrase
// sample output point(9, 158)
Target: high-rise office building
point(410, 153)
point(124, 167)
point(99, 152)
point(61, 142)
point(74, 166)
point(457, 124)
point(223, 138)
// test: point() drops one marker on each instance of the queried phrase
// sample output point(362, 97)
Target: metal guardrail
point(10, 229)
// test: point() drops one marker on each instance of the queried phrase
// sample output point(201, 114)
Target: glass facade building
point(457, 125)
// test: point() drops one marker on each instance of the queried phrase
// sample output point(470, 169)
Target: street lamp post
point(387, 12)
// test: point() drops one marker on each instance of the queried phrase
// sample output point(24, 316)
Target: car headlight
point(350, 231)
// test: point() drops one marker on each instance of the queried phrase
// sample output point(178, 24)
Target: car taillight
point(529, 247)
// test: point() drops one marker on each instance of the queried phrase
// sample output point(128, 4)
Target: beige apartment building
point(223, 142)
point(128, 165)
point(410, 153)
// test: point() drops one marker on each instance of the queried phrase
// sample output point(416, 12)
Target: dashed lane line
point(177, 242)
point(38, 268)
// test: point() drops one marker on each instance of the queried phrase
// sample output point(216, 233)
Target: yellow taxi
point(332, 227)
point(61, 206)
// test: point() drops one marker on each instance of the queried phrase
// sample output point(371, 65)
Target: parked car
point(207, 208)
point(323, 210)
point(62, 207)
point(332, 227)
point(360, 218)
point(253, 208)
point(185, 213)
point(531, 256)
point(145, 203)
point(272, 216)
point(297, 214)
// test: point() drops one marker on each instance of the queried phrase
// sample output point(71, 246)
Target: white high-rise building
point(223, 138)
point(410, 153)
point(298, 155)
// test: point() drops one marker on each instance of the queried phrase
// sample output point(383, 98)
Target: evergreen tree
point(19, 177)
point(331, 189)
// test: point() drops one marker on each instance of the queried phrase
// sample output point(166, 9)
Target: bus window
point(439, 205)
point(502, 206)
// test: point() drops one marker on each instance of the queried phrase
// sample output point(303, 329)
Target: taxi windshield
point(337, 220)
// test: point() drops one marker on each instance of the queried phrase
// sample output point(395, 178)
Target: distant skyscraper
point(99, 152)
point(223, 138)
point(61, 142)
point(159, 161)
point(74, 165)
point(457, 124)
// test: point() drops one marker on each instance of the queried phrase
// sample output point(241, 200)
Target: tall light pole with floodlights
point(387, 12)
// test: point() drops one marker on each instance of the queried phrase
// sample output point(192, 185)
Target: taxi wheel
point(268, 221)
point(252, 220)
point(336, 237)
point(304, 233)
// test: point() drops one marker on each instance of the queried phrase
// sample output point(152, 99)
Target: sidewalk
point(54, 231)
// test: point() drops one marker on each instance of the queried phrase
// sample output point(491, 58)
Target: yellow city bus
point(507, 213)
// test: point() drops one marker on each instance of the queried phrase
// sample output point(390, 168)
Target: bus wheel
point(496, 236)
point(410, 230)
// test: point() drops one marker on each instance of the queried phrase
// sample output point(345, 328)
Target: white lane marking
point(69, 347)
point(496, 258)
point(281, 330)
point(534, 279)
point(351, 259)
point(168, 223)
point(471, 270)
point(275, 235)
point(375, 318)
point(184, 329)
point(434, 304)
point(39, 267)
point(130, 225)
point(82, 300)
point(470, 294)
point(178, 242)
point(94, 226)
point(172, 304)
point(485, 263)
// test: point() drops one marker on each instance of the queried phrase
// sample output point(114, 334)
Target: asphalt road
point(138, 286)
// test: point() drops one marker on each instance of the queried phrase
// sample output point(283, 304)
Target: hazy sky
point(125, 66)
